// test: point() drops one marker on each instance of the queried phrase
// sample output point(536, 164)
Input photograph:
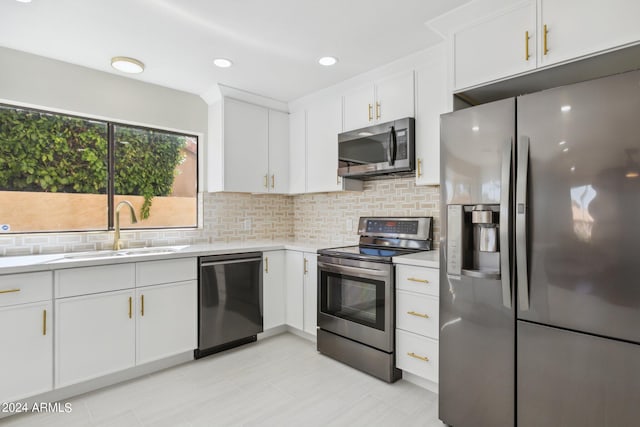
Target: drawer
point(418, 279)
point(25, 288)
point(166, 271)
point(91, 280)
point(417, 354)
point(417, 313)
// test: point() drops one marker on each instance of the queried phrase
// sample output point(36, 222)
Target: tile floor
point(280, 381)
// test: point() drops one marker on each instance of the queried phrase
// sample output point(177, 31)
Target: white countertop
point(420, 259)
point(29, 263)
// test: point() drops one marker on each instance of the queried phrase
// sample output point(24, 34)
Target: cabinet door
point(298, 152)
point(431, 101)
point(294, 286)
point(26, 358)
point(273, 288)
point(278, 152)
point(323, 126)
point(246, 147)
point(167, 321)
point(95, 336)
point(310, 293)
point(497, 47)
point(576, 28)
point(358, 108)
point(394, 98)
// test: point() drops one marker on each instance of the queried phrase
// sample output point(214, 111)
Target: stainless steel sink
point(123, 253)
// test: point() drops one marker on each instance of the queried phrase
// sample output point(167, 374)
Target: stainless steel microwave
point(375, 151)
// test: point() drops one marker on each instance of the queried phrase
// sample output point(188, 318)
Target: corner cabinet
point(26, 320)
point(385, 100)
point(534, 34)
point(253, 146)
point(313, 148)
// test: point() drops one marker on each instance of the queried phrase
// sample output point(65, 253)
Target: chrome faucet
point(117, 244)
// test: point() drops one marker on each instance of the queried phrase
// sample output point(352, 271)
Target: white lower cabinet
point(302, 291)
point(294, 304)
point(273, 289)
point(310, 293)
point(109, 331)
point(95, 336)
point(417, 317)
point(26, 358)
point(166, 320)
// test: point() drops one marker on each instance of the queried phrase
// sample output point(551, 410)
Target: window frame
point(110, 159)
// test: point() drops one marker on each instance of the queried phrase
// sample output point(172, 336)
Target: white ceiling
point(274, 44)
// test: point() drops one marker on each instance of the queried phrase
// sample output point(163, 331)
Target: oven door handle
point(345, 269)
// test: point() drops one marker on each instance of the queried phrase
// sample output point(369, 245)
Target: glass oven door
point(356, 301)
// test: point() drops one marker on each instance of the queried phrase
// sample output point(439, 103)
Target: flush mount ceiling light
point(222, 62)
point(327, 61)
point(127, 65)
point(565, 108)
point(475, 128)
point(23, 1)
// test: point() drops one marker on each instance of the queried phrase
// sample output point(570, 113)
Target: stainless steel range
point(356, 293)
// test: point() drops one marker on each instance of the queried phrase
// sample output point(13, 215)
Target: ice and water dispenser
point(473, 247)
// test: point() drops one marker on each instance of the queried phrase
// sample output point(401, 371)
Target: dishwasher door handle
point(345, 269)
point(234, 261)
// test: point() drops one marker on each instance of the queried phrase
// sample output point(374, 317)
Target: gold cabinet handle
point(413, 279)
point(273, 181)
point(526, 46)
point(130, 307)
point(419, 168)
point(266, 181)
point(44, 322)
point(370, 112)
point(415, 356)
point(377, 110)
point(8, 291)
point(266, 264)
point(415, 313)
point(142, 305)
point(544, 41)
point(306, 266)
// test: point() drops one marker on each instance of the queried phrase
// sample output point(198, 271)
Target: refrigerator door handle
point(521, 224)
point(505, 197)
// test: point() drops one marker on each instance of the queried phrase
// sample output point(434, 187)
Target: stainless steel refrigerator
point(540, 259)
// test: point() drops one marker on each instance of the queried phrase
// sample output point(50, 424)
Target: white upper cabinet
point(278, 152)
point(298, 152)
point(387, 99)
point(323, 126)
point(539, 33)
point(431, 101)
point(500, 46)
point(246, 146)
point(576, 28)
point(254, 146)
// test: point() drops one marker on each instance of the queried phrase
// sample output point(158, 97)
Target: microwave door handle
point(392, 146)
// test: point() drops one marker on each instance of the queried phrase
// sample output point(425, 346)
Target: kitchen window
point(66, 173)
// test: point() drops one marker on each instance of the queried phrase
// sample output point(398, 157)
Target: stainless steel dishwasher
point(229, 301)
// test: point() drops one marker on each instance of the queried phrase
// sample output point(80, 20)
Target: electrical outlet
point(349, 224)
point(246, 225)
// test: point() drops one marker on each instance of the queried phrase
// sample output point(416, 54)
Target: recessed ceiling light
point(565, 108)
point(565, 149)
point(127, 65)
point(562, 142)
point(327, 61)
point(573, 168)
point(222, 62)
point(475, 128)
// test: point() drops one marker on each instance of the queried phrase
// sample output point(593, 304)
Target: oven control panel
point(418, 228)
point(389, 226)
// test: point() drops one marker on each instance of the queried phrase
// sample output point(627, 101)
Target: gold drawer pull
point(142, 305)
point(526, 46)
point(130, 307)
point(370, 112)
point(266, 264)
point(413, 279)
point(44, 322)
point(415, 313)
point(545, 49)
point(415, 356)
point(377, 110)
point(8, 291)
